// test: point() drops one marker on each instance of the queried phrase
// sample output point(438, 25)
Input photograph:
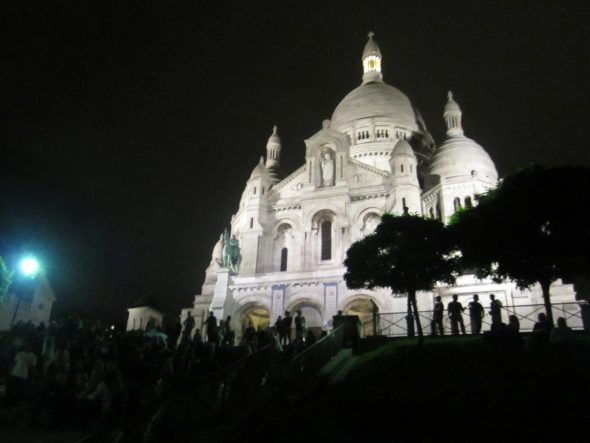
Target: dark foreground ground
point(450, 389)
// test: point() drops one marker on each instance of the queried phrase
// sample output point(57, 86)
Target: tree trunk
point(412, 296)
point(410, 319)
point(545, 285)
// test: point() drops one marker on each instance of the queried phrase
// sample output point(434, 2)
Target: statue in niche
point(284, 232)
point(327, 166)
point(231, 252)
point(370, 224)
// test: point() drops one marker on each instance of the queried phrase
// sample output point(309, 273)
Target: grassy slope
point(458, 389)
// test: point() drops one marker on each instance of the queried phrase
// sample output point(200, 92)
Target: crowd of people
point(78, 374)
point(542, 330)
point(73, 373)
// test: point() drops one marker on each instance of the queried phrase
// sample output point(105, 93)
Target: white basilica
point(374, 156)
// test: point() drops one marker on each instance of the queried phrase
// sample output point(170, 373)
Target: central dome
point(374, 99)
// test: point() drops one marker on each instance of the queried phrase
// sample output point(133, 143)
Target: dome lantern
point(452, 116)
point(273, 156)
point(273, 149)
point(371, 61)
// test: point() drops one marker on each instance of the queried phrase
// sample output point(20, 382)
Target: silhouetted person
point(287, 322)
point(476, 314)
point(456, 315)
point(375, 317)
point(228, 335)
point(495, 311)
point(541, 329)
point(437, 317)
point(504, 336)
point(250, 335)
point(562, 333)
point(189, 324)
point(299, 326)
point(514, 323)
point(211, 324)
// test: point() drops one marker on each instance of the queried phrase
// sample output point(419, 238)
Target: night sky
point(130, 128)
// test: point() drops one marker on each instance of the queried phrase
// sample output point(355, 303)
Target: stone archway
point(364, 309)
point(257, 314)
point(312, 313)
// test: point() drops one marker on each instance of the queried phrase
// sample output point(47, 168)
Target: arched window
point(284, 256)
point(438, 210)
point(468, 203)
point(431, 213)
point(251, 222)
point(263, 190)
point(254, 190)
point(457, 203)
point(326, 233)
point(401, 168)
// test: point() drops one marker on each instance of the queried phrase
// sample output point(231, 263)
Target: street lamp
point(29, 266)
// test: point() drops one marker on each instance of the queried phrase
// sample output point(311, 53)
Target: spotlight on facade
point(29, 266)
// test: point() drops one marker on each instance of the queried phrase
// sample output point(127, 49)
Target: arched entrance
point(311, 312)
point(365, 309)
point(258, 315)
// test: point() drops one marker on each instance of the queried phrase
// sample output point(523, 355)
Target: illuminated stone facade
point(29, 300)
point(374, 156)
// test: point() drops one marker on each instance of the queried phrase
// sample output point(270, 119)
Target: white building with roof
point(374, 156)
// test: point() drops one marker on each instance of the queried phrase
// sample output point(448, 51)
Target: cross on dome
point(370, 34)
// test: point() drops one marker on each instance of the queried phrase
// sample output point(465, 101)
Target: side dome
point(260, 170)
point(459, 156)
point(374, 99)
point(462, 157)
point(402, 147)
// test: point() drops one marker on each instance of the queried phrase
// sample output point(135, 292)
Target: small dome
point(374, 99)
point(402, 147)
point(260, 170)
point(462, 157)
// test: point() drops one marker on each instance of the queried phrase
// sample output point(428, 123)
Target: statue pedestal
point(220, 293)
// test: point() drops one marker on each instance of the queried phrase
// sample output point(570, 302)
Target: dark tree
point(530, 229)
point(5, 279)
point(406, 254)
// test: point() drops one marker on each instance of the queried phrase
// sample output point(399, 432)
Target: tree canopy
point(5, 279)
point(530, 229)
point(406, 254)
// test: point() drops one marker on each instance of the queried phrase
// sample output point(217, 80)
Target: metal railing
point(395, 324)
point(308, 363)
point(212, 395)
